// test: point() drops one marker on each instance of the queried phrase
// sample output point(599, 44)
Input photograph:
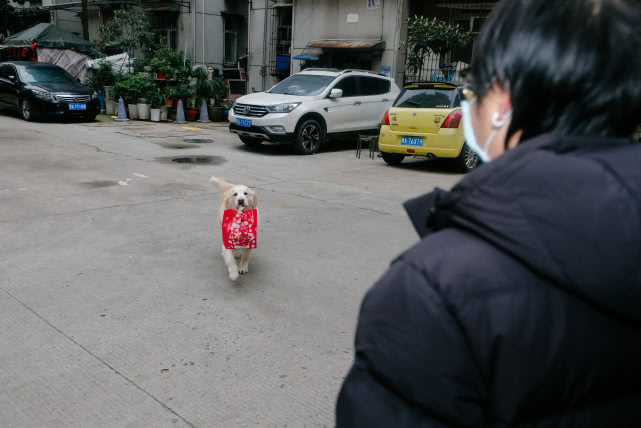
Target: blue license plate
point(246, 123)
point(412, 141)
point(77, 106)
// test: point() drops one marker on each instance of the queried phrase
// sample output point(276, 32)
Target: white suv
point(311, 105)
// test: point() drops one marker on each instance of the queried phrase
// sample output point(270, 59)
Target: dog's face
point(241, 198)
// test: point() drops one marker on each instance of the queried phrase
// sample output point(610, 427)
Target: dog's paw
point(233, 276)
point(243, 269)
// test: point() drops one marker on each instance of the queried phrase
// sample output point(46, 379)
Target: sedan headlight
point(282, 108)
point(47, 96)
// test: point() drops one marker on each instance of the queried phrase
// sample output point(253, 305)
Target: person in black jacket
point(521, 304)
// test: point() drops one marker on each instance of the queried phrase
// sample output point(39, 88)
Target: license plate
point(246, 123)
point(77, 106)
point(411, 141)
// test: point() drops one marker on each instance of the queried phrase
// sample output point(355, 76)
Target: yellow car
point(425, 121)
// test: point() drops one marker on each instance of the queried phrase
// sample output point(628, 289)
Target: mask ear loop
point(497, 123)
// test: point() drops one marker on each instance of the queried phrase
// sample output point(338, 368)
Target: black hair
point(572, 67)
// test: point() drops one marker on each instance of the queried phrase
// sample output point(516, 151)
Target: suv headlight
point(282, 108)
point(94, 96)
point(47, 96)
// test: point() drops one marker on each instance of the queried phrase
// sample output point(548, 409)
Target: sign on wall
point(373, 4)
point(352, 18)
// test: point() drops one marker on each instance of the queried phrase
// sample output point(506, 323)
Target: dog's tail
point(221, 183)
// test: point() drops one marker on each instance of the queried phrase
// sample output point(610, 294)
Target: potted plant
point(218, 94)
point(157, 100)
point(131, 88)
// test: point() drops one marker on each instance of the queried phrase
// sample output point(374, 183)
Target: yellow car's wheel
point(393, 158)
point(468, 159)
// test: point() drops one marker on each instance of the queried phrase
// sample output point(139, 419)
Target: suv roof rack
point(434, 82)
point(335, 70)
point(350, 70)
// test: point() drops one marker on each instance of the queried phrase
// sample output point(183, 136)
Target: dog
point(240, 198)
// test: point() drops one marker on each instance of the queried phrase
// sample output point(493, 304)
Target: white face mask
point(470, 135)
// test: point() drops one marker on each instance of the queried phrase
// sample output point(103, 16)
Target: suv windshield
point(43, 74)
point(427, 97)
point(303, 84)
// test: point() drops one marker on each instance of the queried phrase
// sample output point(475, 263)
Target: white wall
point(213, 30)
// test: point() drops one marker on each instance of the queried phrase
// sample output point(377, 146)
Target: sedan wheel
point(310, 136)
point(26, 110)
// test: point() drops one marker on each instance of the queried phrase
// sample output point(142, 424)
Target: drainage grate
point(198, 140)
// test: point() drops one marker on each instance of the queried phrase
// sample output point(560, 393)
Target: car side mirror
point(336, 93)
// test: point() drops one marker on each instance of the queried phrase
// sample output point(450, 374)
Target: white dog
point(235, 197)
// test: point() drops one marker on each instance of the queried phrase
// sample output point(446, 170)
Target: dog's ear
point(254, 200)
point(221, 183)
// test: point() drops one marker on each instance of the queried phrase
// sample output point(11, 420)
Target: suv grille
point(250, 110)
point(74, 98)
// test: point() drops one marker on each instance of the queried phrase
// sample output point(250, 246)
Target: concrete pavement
point(115, 305)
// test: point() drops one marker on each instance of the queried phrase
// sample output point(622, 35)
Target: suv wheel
point(393, 158)
point(468, 159)
point(250, 141)
point(26, 110)
point(309, 137)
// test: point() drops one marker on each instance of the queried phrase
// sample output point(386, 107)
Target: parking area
point(115, 303)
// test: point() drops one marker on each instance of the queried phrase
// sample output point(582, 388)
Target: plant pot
point(110, 107)
point(155, 114)
point(108, 92)
point(143, 111)
point(192, 114)
point(216, 113)
point(133, 111)
point(169, 102)
point(164, 113)
point(160, 76)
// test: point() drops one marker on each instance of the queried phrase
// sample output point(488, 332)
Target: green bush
point(133, 87)
point(103, 76)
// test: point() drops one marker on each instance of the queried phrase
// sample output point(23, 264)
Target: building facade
point(288, 35)
point(212, 32)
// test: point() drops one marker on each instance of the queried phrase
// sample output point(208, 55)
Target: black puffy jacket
point(521, 305)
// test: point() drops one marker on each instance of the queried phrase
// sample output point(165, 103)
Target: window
point(374, 86)
point(44, 74)
point(303, 85)
point(349, 85)
point(232, 27)
point(165, 25)
point(4, 72)
point(428, 98)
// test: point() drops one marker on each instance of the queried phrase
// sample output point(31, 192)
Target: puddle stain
point(179, 146)
point(194, 160)
point(99, 184)
point(198, 140)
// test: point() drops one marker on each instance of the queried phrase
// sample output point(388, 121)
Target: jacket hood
point(567, 207)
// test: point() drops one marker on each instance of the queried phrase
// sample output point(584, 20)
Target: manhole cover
point(198, 140)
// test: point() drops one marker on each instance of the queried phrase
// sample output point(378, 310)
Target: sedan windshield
point(303, 84)
point(44, 74)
